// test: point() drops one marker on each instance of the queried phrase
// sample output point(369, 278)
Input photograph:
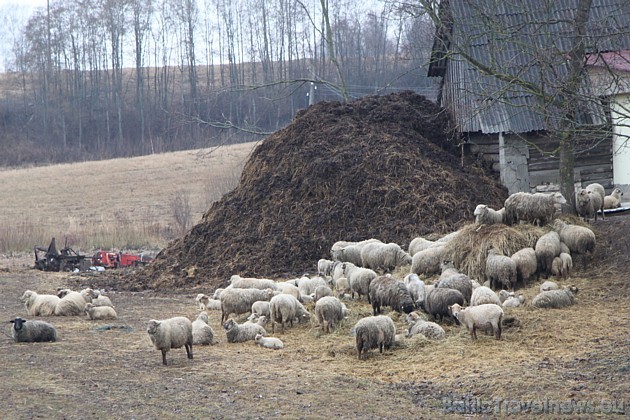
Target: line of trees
point(111, 78)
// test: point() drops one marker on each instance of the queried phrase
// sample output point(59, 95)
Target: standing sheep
point(307, 285)
point(416, 288)
point(500, 270)
point(485, 215)
point(329, 311)
point(538, 209)
point(427, 262)
point(202, 332)
point(598, 196)
point(457, 281)
point(360, 279)
point(374, 332)
point(99, 312)
point(419, 244)
point(438, 300)
point(555, 298)
point(526, 265)
point(238, 282)
point(342, 286)
point(482, 317)
point(482, 295)
point(383, 257)
point(285, 308)
point(24, 331)
point(547, 248)
point(39, 305)
point(240, 301)
point(388, 291)
point(584, 205)
point(613, 200)
point(268, 342)
point(261, 308)
point(247, 331)
point(171, 333)
point(580, 240)
point(322, 291)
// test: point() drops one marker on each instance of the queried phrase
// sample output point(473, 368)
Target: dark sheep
point(388, 291)
point(24, 331)
point(459, 281)
point(438, 300)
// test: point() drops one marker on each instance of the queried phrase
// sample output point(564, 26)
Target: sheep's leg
point(189, 352)
point(497, 331)
point(473, 333)
point(164, 357)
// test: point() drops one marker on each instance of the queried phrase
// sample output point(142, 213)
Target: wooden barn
point(483, 45)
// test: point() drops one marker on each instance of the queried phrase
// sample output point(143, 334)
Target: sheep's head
point(572, 288)
point(18, 323)
point(62, 292)
point(480, 209)
point(153, 326)
point(446, 264)
point(454, 310)
point(87, 308)
point(27, 295)
point(258, 338)
point(229, 324)
point(203, 317)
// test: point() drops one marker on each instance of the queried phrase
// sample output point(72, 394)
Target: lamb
point(171, 333)
point(100, 299)
point(322, 291)
point(485, 215)
point(430, 330)
point(567, 263)
point(584, 205)
point(548, 285)
point(261, 308)
point(580, 240)
point(285, 308)
point(419, 244)
point(100, 312)
point(24, 331)
point(325, 267)
point(513, 301)
point(342, 286)
point(208, 304)
point(438, 300)
point(482, 295)
point(329, 311)
point(73, 303)
point(238, 282)
point(482, 317)
point(244, 332)
point(198, 299)
point(202, 332)
point(613, 200)
point(239, 301)
point(555, 298)
point(556, 268)
point(538, 208)
point(388, 291)
point(374, 332)
point(360, 279)
point(598, 196)
point(416, 288)
point(526, 265)
point(268, 342)
point(383, 257)
point(500, 270)
point(547, 248)
point(427, 262)
point(258, 319)
point(39, 305)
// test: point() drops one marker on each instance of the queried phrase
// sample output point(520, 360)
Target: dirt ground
point(577, 355)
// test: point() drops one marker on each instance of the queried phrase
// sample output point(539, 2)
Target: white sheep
point(416, 288)
point(325, 267)
point(322, 291)
point(171, 333)
point(342, 286)
point(73, 303)
point(39, 305)
point(308, 285)
point(260, 308)
point(198, 299)
point(419, 244)
point(579, 239)
point(547, 248)
point(330, 311)
point(99, 312)
point(285, 308)
point(239, 333)
point(101, 300)
point(482, 295)
point(384, 257)
point(217, 293)
point(514, 301)
point(24, 331)
point(548, 285)
point(427, 262)
point(360, 279)
point(268, 342)
point(539, 208)
point(482, 317)
point(202, 332)
point(526, 265)
point(417, 325)
point(598, 197)
point(555, 298)
point(500, 270)
point(613, 200)
point(258, 319)
point(374, 332)
point(238, 282)
point(209, 304)
point(239, 301)
point(289, 289)
point(485, 215)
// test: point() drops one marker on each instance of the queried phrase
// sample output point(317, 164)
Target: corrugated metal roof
point(524, 39)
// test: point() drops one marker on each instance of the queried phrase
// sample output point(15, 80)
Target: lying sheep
point(555, 298)
point(482, 317)
point(360, 279)
point(598, 197)
point(202, 332)
point(500, 270)
point(171, 333)
point(485, 215)
point(329, 311)
point(285, 308)
point(526, 265)
point(547, 248)
point(322, 291)
point(514, 301)
point(438, 300)
point(538, 209)
point(73, 303)
point(419, 244)
point(258, 319)
point(39, 305)
point(24, 331)
point(430, 330)
point(427, 262)
point(548, 285)
point(383, 257)
point(238, 282)
point(416, 288)
point(100, 299)
point(208, 304)
point(613, 200)
point(388, 291)
point(99, 312)
point(244, 332)
point(580, 240)
point(240, 301)
point(374, 332)
point(268, 342)
point(482, 295)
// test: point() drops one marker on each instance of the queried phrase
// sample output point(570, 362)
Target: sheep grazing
point(580, 240)
point(513, 301)
point(286, 308)
point(453, 279)
point(383, 257)
point(500, 270)
point(613, 200)
point(419, 244)
point(342, 286)
point(482, 295)
point(39, 305)
point(417, 325)
point(238, 282)
point(538, 209)
point(236, 333)
point(557, 269)
point(482, 317)
point(374, 332)
point(438, 300)
point(307, 286)
point(555, 298)
point(526, 265)
point(99, 312)
point(584, 205)
point(427, 262)
point(240, 301)
point(171, 333)
point(325, 267)
point(597, 197)
point(73, 303)
point(416, 288)
point(202, 332)
point(329, 311)
point(100, 299)
point(268, 342)
point(388, 291)
point(360, 279)
point(485, 215)
point(548, 285)
point(322, 291)
point(547, 248)
point(24, 331)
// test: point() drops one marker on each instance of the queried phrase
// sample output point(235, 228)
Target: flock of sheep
point(363, 270)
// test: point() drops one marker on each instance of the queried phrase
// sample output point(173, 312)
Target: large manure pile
point(381, 167)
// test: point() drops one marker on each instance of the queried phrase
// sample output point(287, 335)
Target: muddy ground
point(577, 355)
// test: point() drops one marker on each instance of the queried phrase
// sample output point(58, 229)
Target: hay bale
point(469, 249)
